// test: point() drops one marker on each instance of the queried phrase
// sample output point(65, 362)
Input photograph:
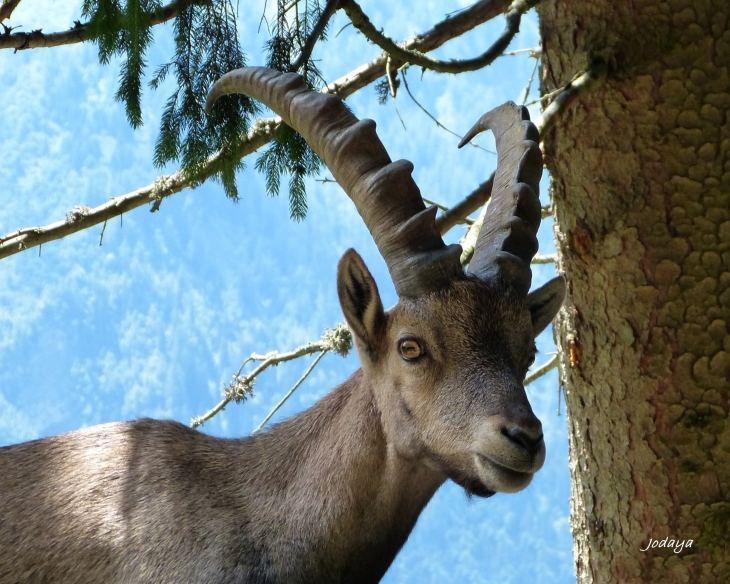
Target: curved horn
point(508, 239)
point(384, 192)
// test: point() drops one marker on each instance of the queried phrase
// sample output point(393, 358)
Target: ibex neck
point(338, 479)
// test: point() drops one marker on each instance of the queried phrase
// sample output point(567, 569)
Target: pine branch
point(206, 47)
point(414, 57)
point(262, 133)
point(319, 28)
point(79, 33)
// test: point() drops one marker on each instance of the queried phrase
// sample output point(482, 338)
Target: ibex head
point(446, 364)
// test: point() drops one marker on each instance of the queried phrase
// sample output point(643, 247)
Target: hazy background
point(157, 320)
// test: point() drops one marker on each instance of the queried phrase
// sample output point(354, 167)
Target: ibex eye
point(410, 349)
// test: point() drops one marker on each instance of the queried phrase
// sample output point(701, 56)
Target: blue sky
point(156, 320)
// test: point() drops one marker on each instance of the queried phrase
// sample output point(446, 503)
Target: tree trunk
point(641, 189)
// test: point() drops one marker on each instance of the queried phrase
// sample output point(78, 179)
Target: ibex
point(330, 495)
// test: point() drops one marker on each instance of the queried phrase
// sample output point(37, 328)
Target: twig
point(457, 220)
point(439, 124)
point(439, 206)
point(101, 237)
point(542, 370)
point(513, 17)
point(290, 392)
point(77, 34)
point(535, 52)
point(397, 112)
point(549, 96)
point(342, 29)
point(338, 340)
point(329, 9)
point(262, 133)
point(580, 84)
point(529, 82)
point(545, 259)
point(389, 77)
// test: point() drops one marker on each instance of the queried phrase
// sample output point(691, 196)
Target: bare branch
point(262, 133)
point(580, 84)
point(77, 34)
point(290, 392)
point(80, 218)
point(542, 370)
point(545, 259)
point(469, 241)
point(7, 7)
point(444, 31)
point(338, 340)
point(466, 207)
point(414, 57)
point(329, 9)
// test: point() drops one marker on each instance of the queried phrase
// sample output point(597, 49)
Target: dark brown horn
point(384, 192)
point(508, 239)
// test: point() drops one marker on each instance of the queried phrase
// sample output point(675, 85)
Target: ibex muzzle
point(330, 495)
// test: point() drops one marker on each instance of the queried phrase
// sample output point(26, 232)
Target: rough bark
point(641, 191)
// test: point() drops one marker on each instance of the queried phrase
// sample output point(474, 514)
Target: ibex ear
point(545, 302)
point(360, 299)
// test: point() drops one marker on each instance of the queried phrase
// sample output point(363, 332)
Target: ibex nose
point(530, 441)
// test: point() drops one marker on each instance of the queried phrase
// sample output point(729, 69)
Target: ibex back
point(330, 495)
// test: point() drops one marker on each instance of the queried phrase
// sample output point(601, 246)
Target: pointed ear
point(545, 302)
point(360, 300)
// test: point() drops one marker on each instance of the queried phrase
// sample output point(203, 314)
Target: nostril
point(523, 439)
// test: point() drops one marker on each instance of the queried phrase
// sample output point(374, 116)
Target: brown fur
point(328, 496)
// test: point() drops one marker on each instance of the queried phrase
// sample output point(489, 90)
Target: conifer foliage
point(206, 47)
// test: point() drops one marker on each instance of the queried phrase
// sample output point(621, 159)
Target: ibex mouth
point(500, 478)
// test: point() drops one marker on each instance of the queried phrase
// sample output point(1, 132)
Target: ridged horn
point(508, 239)
point(384, 192)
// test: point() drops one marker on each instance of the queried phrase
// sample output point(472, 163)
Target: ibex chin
point(330, 495)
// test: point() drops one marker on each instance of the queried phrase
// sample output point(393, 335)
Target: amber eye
point(410, 349)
